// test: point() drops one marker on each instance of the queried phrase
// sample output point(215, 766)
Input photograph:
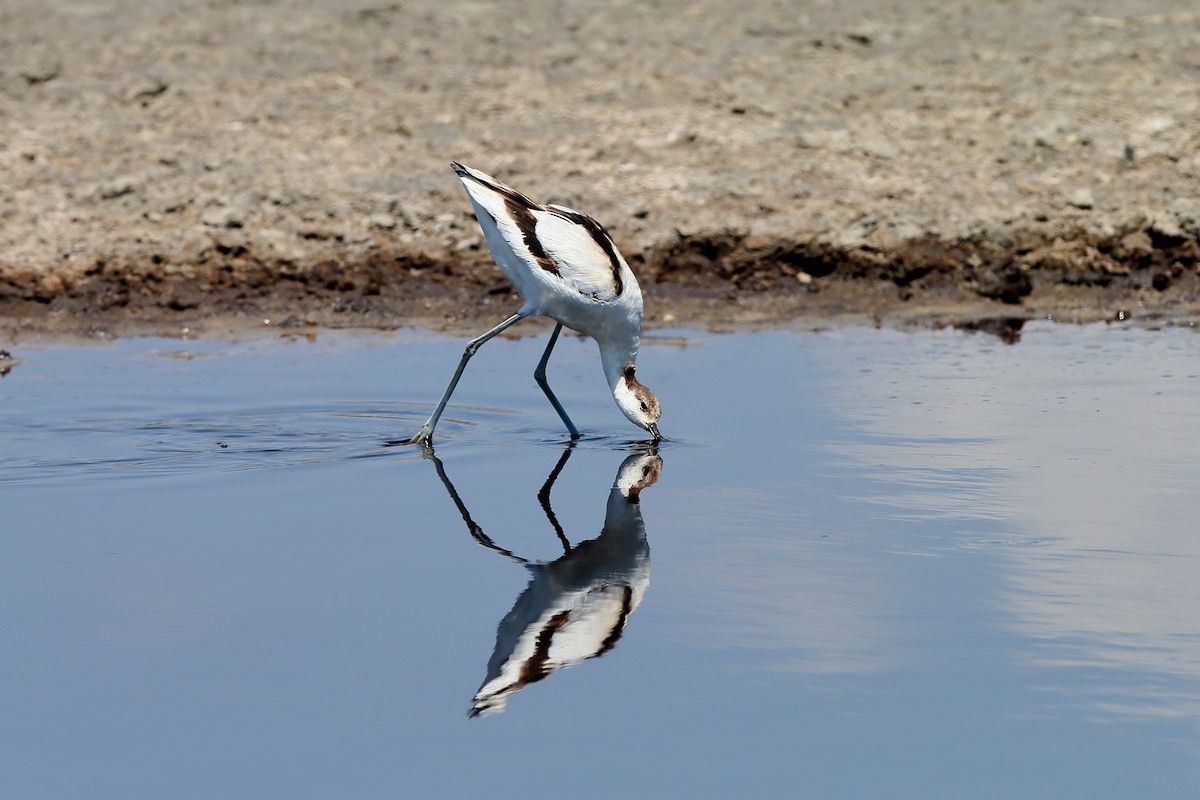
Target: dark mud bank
point(714, 279)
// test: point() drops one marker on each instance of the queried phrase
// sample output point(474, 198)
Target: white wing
point(585, 256)
point(557, 241)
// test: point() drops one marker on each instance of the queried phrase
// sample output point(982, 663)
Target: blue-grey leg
point(539, 375)
point(476, 531)
point(544, 497)
point(425, 435)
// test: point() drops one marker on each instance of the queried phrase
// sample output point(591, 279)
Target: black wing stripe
point(600, 237)
point(521, 209)
point(614, 635)
point(527, 225)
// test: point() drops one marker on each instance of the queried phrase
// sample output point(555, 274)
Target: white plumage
point(577, 606)
point(566, 267)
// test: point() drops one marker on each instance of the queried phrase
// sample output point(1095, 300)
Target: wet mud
point(729, 278)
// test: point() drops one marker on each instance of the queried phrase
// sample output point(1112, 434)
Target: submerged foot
point(423, 438)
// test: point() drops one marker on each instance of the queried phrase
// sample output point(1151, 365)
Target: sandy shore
point(211, 165)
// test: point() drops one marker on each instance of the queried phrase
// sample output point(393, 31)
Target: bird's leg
point(539, 375)
point(425, 435)
point(544, 497)
point(476, 532)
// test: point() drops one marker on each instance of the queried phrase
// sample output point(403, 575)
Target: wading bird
point(577, 606)
point(566, 267)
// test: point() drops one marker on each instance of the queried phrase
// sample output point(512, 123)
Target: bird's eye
point(644, 406)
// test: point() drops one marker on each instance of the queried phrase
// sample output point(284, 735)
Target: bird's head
point(637, 472)
point(637, 402)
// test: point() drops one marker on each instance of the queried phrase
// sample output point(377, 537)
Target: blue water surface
point(874, 564)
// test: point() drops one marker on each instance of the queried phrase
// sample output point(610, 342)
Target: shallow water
point(874, 564)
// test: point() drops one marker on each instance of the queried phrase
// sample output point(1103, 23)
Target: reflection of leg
point(476, 531)
point(539, 375)
point(544, 496)
point(425, 435)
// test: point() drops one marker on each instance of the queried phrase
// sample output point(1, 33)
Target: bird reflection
point(575, 607)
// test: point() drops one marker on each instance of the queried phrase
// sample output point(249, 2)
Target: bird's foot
point(423, 438)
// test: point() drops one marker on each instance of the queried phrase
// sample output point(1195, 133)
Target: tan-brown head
point(637, 472)
point(637, 402)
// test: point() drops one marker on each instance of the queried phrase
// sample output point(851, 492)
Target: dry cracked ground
point(212, 165)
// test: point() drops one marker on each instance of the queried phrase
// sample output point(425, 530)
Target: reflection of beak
point(653, 428)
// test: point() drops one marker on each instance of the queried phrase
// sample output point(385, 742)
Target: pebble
point(222, 217)
point(144, 89)
point(1082, 198)
point(106, 190)
point(1165, 225)
point(40, 70)
point(1136, 245)
point(117, 187)
point(880, 148)
point(443, 223)
point(1187, 216)
point(395, 208)
point(838, 140)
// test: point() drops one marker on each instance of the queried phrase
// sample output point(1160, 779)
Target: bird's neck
point(616, 355)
